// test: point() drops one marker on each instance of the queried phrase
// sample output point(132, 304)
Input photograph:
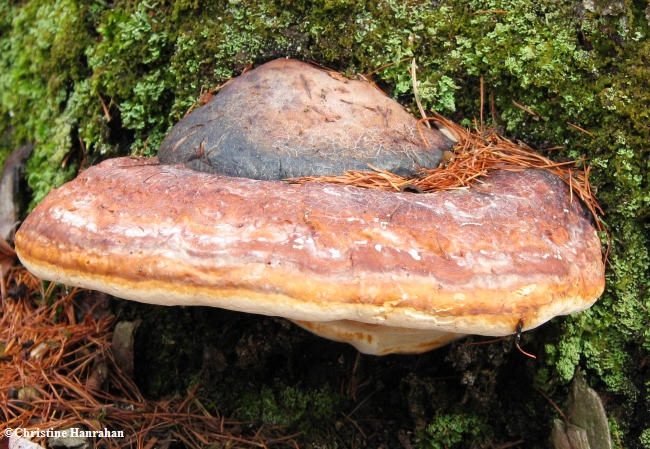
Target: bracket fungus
point(287, 119)
point(388, 272)
point(460, 261)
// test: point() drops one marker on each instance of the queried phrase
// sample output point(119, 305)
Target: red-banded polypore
point(385, 271)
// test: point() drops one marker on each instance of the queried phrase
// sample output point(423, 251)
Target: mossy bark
point(99, 79)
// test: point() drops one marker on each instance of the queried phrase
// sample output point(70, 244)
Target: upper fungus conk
point(385, 271)
point(287, 119)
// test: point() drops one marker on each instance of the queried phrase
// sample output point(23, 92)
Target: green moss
point(41, 59)
point(584, 63)
point(453, 430)
point(289, 405)
point(644, 439)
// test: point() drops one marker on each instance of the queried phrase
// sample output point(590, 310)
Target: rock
point(559, 438)
point(16, 442)
point(68, 442)
point(123, 339)
point(604, 8)
point(39, 351)
point(577, 437)
point(586, 411)
point(98, 375)
point(588, 427)
point(29, 394)
point(568, 436)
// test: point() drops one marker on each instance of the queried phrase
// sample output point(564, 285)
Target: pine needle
point(59, 377)
point(476, 154)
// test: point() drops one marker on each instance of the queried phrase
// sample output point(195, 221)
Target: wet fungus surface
point(457, 261)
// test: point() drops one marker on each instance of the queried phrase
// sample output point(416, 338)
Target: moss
point(581, 63)
point(41, 60)
point(289, 406)
point(453, 430)
point(644, 439)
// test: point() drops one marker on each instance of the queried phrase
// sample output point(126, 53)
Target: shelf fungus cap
point(387, 272)
point(287, 119)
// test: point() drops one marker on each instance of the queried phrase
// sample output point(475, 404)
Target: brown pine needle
point(369, 74)
point(475, 155)
point(524, 352)
point(60, 375)
point(524, 108)
point(416, 94)
point(482, 87)
point(490, 11)
point(555, 406)
point(581, 129)
point(106, 114)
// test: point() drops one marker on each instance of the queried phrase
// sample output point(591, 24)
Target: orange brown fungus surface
point(454, 261)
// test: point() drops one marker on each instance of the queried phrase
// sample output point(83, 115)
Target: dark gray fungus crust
point(288, 119)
